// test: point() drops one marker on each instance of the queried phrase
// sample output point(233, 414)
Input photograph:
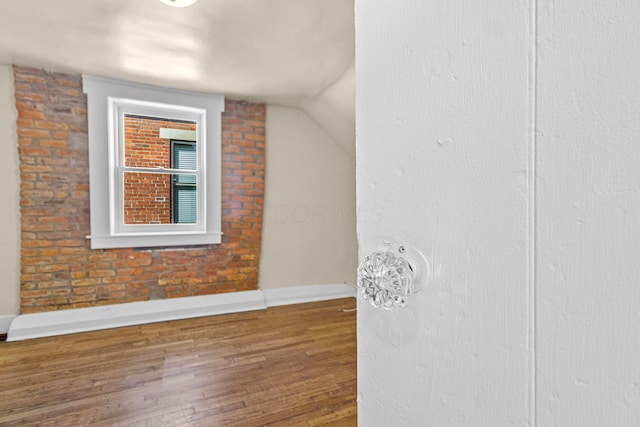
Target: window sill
point(138, 240)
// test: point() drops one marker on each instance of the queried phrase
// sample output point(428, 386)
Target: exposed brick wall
point(58, 268)
point(147, 197)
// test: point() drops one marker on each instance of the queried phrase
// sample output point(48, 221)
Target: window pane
point(184, 155)
point(147, 198)
point(160, 198)
point(144, 145)
point(185, 202)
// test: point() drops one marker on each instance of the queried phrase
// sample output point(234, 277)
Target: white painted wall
point(334, 110)
point(9, 194)
point(588, 235)
point(309, 218)
point(501, 139)
point(442, 155)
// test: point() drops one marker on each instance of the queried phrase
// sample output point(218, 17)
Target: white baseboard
point(5, 322)
point(301, 294)
point(38, 325)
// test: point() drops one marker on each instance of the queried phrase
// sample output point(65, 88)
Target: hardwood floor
point(285, 366)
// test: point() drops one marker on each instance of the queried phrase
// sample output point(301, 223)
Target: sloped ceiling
point(295, 53)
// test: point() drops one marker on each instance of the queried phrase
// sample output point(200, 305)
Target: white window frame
point(107, 102)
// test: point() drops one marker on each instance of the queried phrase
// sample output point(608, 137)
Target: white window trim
point(118, 108)
point(107, 99)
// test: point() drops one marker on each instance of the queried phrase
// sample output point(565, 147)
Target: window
point(154, 165)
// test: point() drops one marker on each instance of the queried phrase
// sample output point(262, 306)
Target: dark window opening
point(184, 201)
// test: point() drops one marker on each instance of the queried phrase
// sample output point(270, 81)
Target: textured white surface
point(9, 194)
point(528, 204)
point(443, 111)
point(589, 213)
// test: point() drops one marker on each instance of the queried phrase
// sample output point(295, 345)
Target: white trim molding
point(52, 323)
point(108, 101)
point(37, 325)
point(302, 294)
point(5, 322)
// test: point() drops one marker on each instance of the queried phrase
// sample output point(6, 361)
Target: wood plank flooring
point(285, 366)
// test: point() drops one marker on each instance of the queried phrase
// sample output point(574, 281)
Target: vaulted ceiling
point(295, 53)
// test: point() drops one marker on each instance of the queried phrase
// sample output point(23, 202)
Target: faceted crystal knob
point(386, 280)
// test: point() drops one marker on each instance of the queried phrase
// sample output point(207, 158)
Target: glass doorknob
point(388, 278)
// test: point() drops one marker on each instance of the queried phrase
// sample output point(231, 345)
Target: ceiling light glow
point(179, 3)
